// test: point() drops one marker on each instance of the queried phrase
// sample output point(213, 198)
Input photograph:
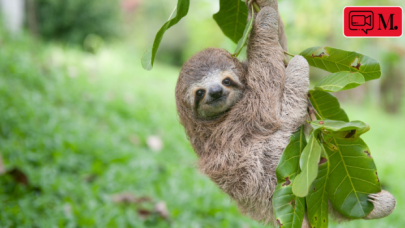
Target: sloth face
point(209, 84)
point(215, 94)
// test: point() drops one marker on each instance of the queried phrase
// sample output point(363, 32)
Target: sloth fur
point(240, 150)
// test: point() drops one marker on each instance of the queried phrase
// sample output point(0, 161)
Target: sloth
point(239, 116)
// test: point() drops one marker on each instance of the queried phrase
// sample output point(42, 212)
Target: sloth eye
point(226, 82)
point(200, 93)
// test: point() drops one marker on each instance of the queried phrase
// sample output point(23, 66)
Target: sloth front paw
point(384, 204)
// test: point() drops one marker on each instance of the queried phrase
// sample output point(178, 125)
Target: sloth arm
point(279, 93)
point(265, 77)
point(296, 81)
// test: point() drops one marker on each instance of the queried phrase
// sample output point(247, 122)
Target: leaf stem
point(285, 60)
point(256, 7)
point(289, 54)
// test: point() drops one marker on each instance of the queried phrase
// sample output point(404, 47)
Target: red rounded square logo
point(372, 21)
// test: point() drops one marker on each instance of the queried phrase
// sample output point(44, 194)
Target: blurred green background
point(90, 139)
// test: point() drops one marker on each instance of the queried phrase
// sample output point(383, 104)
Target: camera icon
point(361, 20)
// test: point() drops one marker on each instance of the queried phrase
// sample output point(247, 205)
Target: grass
point(76, 125)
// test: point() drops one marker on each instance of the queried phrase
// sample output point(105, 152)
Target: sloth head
point(210, 83)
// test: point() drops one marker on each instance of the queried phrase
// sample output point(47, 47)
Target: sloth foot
point(384, 204)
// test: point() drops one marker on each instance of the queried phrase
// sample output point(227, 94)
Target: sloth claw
point(384, 204)
point(373, 196)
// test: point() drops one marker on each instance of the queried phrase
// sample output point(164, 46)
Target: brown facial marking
point(287, 182)
point(234, 80)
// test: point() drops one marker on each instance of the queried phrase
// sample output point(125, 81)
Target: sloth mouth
point(217, 100)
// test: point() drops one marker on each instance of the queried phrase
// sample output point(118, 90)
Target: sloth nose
point(215, 91)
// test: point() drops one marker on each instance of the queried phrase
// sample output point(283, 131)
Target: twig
point(289, 54)
point(316, 112)
point(311, 111)
point(285, 60)
point(257, 8)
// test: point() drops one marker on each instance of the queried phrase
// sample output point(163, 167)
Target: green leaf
point(352, 177)
point(289, 210)
point(340, 129)
point(339, 81)
point(338, 126)
point(242, 41)
point(309, 166)
point(231, 18)
point(336, 60)
point(327, 106)
point(181, 10)
point(317, 199)
point(146, 58)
